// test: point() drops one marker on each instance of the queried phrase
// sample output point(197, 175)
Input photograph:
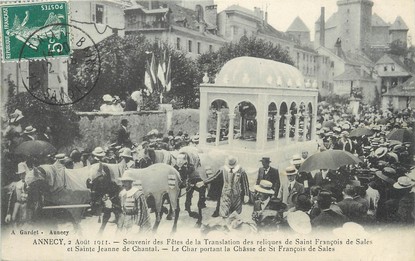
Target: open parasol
point(329, 159)
point(361, 131)
point(35, 148)
point(402, 135)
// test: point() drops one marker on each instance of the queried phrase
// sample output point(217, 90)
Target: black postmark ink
point(58, 96)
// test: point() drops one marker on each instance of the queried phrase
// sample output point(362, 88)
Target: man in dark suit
point(290, 188)
point(352, 209)
point(123, 136)
point(328, 218)
point(266, 172)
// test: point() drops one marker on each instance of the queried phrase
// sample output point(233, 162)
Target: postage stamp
point(42, 27)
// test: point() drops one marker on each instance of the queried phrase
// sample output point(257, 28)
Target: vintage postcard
point(203, 129)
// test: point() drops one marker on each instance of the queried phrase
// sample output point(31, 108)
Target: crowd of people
point(378, 190)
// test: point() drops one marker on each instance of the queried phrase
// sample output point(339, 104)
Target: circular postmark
point(60, 80)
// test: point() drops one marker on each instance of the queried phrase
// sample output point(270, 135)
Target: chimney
point(211, 12)
point(322, 27)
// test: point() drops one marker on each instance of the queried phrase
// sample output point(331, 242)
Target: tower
point(355, 18)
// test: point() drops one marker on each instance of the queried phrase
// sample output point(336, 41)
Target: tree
point(62, 120)
point(123, 64)
point(212, 62)
point(122, 69)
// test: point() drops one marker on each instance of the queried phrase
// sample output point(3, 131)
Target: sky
point(281, 13)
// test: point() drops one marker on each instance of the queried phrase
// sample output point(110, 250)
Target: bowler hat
point(265, 159)
point(231, 161)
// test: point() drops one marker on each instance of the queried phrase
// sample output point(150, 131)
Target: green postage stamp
point(35, 30)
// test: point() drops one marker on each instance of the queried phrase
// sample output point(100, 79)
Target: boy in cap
point(17, 204)
point(134, 210)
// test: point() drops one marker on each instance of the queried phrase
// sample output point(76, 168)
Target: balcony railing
point(141, 25)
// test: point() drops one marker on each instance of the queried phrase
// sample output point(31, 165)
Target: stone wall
point(100, 129)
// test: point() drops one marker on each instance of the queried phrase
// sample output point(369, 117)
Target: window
point(190, 46)
point(178, 46)
point(385, 68)
point(304, 56)
point(210, 48)
point(99, 14)
point(199, 48)
point(393, 67)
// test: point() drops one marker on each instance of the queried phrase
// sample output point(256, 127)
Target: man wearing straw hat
point(266, 172)
point(134, 207)
point(290, 188)
point(17, 205)
point(406, 209)
point(127, 158)
point(235, 188)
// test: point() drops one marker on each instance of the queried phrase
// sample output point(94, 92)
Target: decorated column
point(277, 129)
point(297, 121)
point(218, 127)
point(231, 127)
point(287, 128)
point(305, 128)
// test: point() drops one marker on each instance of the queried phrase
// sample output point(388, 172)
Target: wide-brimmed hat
point(60, 156)
point(296, 160)
point(231, 161)
point(411, 174)
point(126, 153)
point(350, 229)
point(29, 130)
point(107, 98)
point(403, 183)
point(380, 152)
point(21, 168)
point(16, 116)
point(386, 175)
point(265, 159)
point(299, 222)
point(265, 186)
point(291, 170)
point(98, 152)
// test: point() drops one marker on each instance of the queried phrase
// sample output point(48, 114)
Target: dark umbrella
point(35, 148)
point(402, 135)
point(329, 159)
point(382, 121)
point(329, 124)
point(361, 131)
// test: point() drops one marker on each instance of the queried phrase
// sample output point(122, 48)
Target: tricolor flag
point(148, 82)
point(161, 76)
point(153, 69)
point(168, 75)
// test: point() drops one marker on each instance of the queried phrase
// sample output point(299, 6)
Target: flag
point(153, 69)
point(168, 76)
point(160, 76)
point(164, 61)
point(147, 79)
